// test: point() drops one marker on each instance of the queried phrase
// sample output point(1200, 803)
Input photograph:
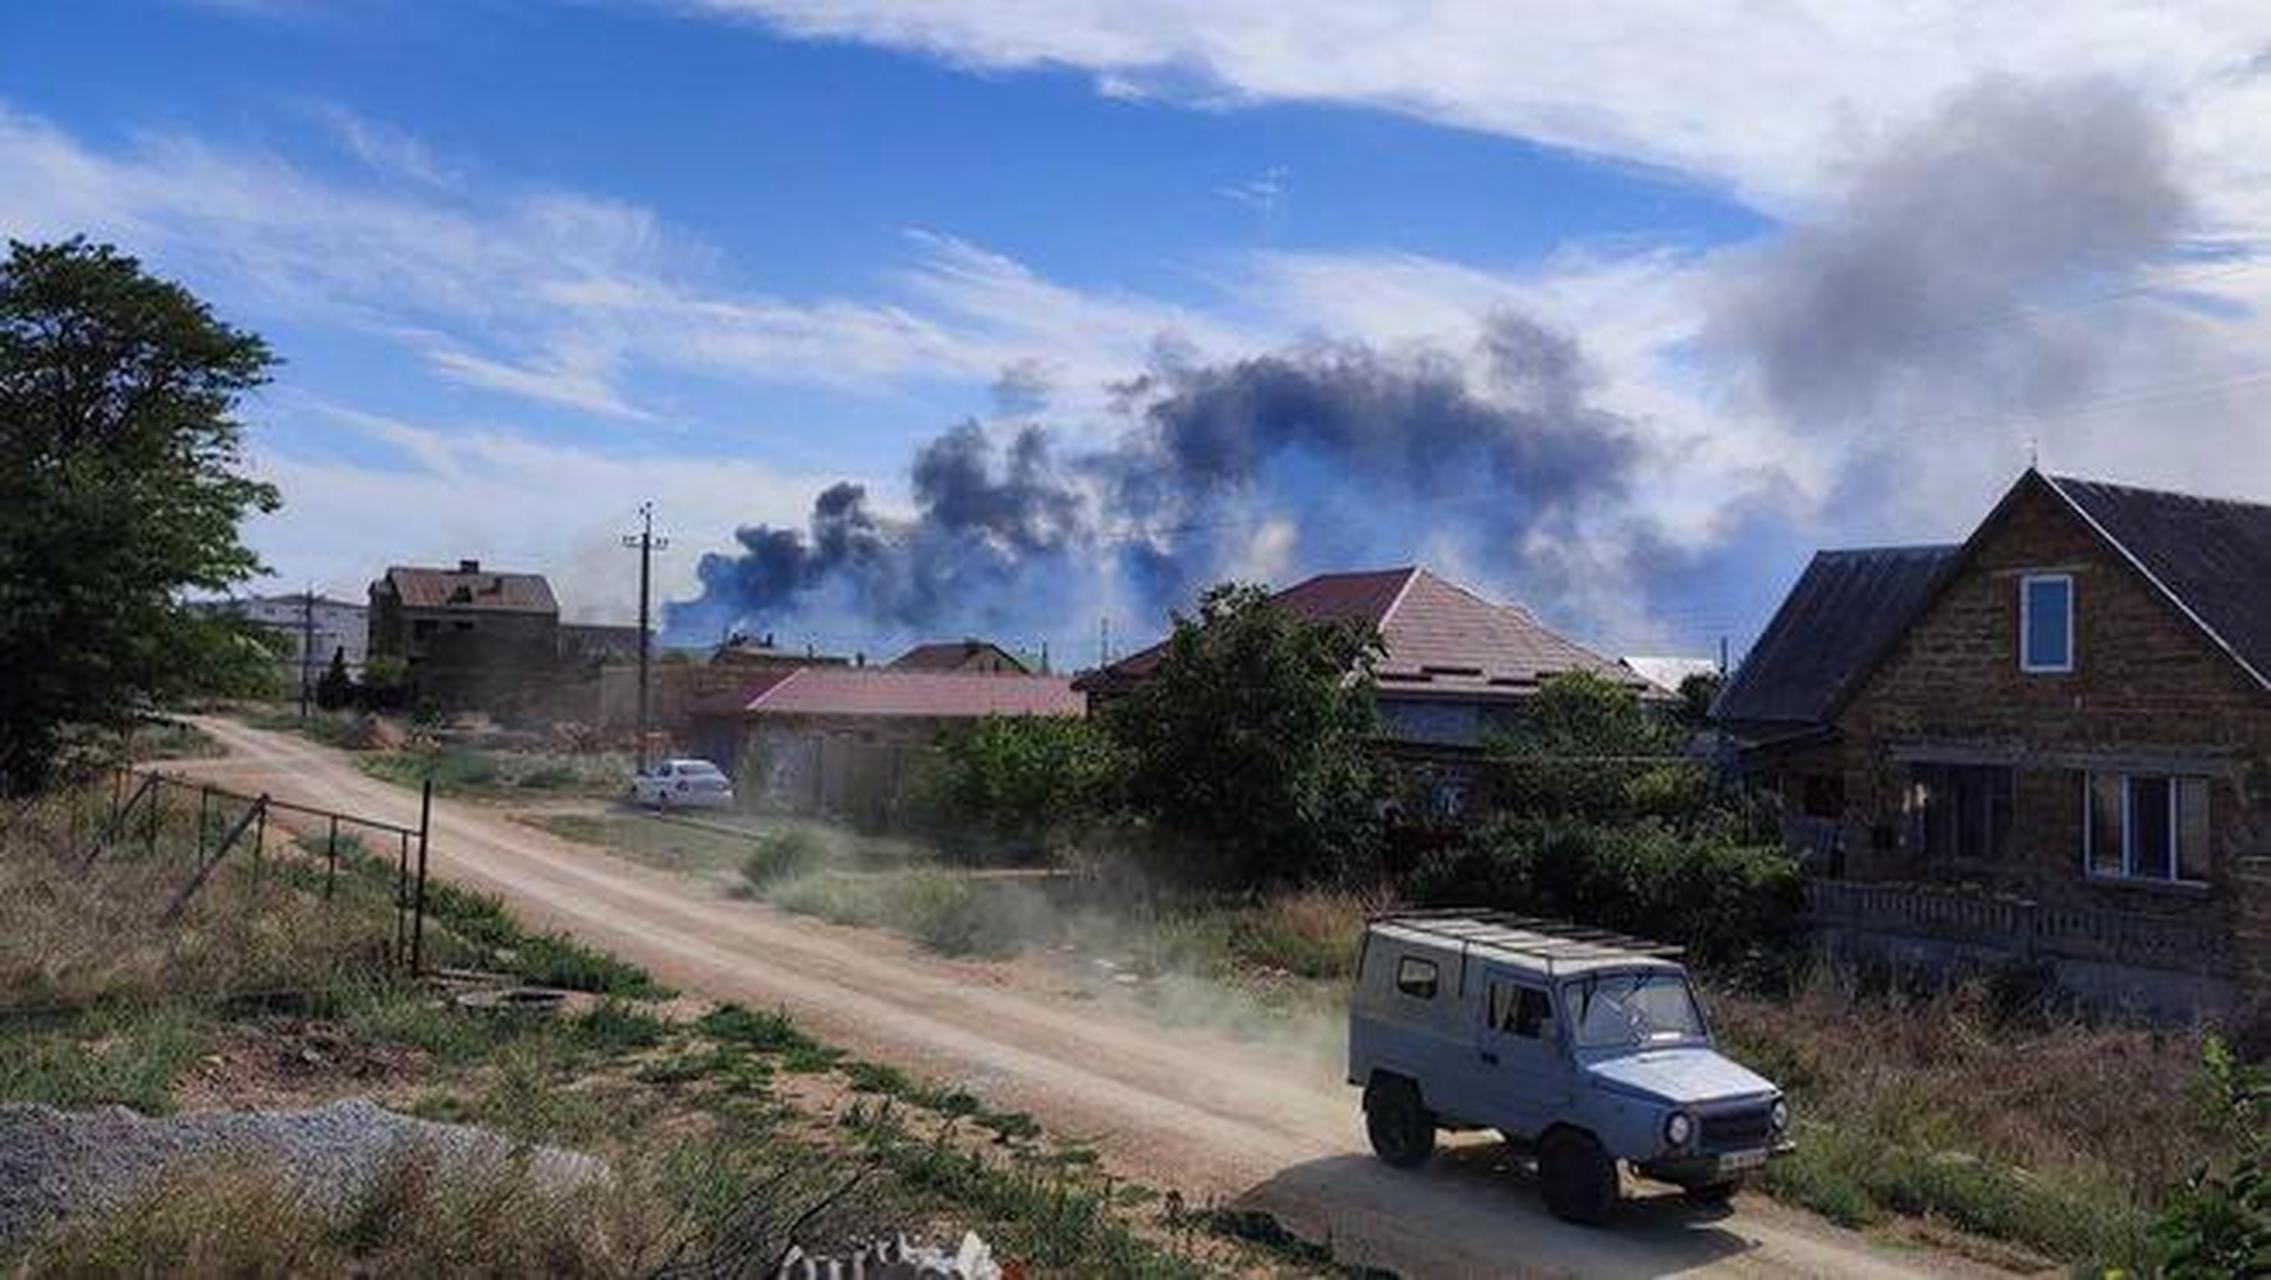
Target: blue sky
point(529, 264)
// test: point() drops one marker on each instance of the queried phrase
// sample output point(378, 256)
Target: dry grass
point(418, 1214)
point(71, 933)
point(2053, 1134)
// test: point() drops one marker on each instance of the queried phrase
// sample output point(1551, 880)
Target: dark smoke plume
point(1912, 293)
point(1362, 454)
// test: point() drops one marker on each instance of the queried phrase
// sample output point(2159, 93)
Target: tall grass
point(2047, 1132)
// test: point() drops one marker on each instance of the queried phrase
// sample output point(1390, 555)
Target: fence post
point(259, 842)
point(331, 858)
point(401, 896)
point(418, 904)
point(204, 806)
point(157, 812)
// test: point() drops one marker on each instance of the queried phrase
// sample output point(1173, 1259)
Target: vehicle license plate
point(1742, 1160)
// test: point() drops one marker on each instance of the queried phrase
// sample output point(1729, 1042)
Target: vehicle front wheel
point(1577, 1177)
point(1402, 1131)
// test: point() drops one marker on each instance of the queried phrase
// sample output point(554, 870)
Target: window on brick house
point(2145, 826)
point(1959, 812)
point(2046, 622)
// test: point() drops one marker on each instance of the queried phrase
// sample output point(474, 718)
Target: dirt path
point(1221, 1120)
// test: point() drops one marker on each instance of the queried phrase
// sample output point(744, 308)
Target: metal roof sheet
point(1846, 609)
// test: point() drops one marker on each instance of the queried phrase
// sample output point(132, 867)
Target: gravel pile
point(54, 1162)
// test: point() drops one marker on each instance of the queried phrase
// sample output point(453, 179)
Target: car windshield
point(1614, 1009)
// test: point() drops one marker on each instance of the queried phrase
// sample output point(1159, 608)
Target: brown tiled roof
point(881, 691)
point(950, 655)
point(1438, 638)
point(480, 590)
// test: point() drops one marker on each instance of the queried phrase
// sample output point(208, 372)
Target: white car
point(682, 784)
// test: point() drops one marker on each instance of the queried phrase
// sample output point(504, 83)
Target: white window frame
point(2027, 663)
point(2128, 873)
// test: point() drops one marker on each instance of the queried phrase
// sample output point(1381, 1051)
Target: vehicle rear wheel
point(1577, 1177)
point(1402, 1131)
point(1711, 1195)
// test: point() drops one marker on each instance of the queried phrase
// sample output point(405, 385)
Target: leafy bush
point(781, 856)
point(1001, 787)
point(2218, 1222)
point(1723, 901)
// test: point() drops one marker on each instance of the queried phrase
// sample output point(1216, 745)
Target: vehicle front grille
point(1736, 1130)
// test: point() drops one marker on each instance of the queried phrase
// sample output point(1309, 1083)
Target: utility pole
point(307, 643)
point(646, 544)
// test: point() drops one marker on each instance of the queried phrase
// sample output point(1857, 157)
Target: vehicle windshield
point(1617, 1009)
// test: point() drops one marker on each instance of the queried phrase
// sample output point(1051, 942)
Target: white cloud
point(1769, 101)
point(564, 299)
point(511, 499)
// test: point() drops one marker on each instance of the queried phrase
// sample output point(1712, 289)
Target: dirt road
point(1220, 1120)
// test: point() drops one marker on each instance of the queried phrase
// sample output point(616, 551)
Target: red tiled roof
point(479, 590)
point(881, 691)
point(1439, 638)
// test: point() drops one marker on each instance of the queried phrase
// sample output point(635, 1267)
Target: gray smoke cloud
point(1911, 295)
point(1362, 454)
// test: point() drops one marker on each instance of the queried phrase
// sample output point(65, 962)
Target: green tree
point(335, 688)
point(121, 488)
point(1587, 747)
point(1002, 786)
point(1252, 741)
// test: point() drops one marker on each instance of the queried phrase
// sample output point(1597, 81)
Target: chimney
point(469, 566)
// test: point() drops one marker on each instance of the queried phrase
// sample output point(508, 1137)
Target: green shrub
point(1725, 902)
point(999, 789)
point(2218, 1222)
point(949, 915)
point(783, 855)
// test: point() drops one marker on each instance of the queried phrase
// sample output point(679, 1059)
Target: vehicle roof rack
point(1532, 936)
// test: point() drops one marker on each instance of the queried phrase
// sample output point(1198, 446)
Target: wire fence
point(191, 828)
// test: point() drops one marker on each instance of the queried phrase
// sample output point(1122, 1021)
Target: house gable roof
point(1845, 611)
point(1437, 638)
point(953, 655)
point(2210, 557)
point(884, 692)
point(479, 590)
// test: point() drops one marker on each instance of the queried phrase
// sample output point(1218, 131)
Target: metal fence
point(141, 803)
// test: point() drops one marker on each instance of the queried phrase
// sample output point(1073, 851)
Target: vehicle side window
point(1416, 977)
point(1531, 1013)
point(1518, 1010)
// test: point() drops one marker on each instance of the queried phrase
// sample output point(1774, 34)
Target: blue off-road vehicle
point(1582, 1046)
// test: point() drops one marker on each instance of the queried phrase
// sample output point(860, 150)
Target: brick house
point(468, 636)
point(1454, 668)
point(2050, 743)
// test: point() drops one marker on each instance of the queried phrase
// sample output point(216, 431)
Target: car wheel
point(1402, 1131)
point(1711, 1195)
point(1579, 1179)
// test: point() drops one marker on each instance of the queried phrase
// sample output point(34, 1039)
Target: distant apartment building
point(309, 629)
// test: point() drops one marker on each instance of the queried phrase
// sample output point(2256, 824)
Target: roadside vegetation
point(725, 1133)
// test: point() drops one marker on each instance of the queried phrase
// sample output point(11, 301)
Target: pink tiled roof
point(1439, 638)
point(880, 691)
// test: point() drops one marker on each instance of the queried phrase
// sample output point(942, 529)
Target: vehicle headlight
point(1678, 1128)
point(1780, 1116)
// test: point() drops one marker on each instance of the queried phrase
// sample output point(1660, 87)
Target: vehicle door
point(1522, 1066)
